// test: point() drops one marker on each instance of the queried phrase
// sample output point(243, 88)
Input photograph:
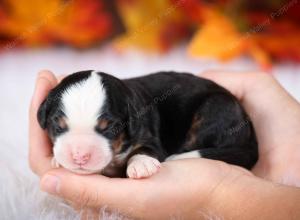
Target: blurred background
point(134, 37)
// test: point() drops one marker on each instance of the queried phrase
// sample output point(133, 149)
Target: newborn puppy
point(101, 124)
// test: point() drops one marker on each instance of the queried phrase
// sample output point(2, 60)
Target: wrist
point(249, 197)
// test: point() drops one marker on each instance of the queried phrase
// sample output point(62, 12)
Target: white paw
point(54, 163)
point(141, 166)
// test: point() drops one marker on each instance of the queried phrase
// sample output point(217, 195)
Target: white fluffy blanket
point(20, 197)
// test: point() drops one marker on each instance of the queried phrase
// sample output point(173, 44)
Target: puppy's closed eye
point(106, 127)
point(59, 124)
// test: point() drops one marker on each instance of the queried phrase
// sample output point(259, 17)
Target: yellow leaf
point(145, 22)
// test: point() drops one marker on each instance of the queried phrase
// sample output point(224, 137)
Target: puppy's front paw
point(142, 166)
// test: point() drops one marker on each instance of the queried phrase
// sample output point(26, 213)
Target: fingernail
point(50, 184)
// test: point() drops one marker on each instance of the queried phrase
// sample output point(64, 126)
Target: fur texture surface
point(20, 197)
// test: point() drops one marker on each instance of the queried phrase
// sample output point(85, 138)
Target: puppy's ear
point(118, 94)
point(43, 113)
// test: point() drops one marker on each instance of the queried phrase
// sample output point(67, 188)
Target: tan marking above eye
point(62, 122)
point(103, 124)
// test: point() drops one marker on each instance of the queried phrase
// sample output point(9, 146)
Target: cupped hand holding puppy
point(275, 116)
point(192, 188)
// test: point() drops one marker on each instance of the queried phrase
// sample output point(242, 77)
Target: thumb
point(93, 191)
point(238, 83)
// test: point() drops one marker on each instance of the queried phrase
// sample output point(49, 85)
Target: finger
point(251, 88)
point(93, 191)
point(39, 144)
point(254, 88)
point(238, 83)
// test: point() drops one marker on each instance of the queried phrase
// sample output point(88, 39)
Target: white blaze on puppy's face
point(81, 149)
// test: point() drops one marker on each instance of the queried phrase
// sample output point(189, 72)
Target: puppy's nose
point(81, 159)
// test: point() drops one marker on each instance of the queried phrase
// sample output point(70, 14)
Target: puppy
point(101, 124)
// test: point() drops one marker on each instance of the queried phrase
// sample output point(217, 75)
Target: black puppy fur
point(162, 114)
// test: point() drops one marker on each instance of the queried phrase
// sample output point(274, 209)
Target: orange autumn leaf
point(38, 22)
point(83, 23)
point(217, 38)
point(24, 20)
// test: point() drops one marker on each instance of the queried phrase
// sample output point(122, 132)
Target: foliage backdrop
point(267, 31)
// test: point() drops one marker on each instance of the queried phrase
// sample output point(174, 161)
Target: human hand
point(275, 116)
point(40, 149)
point(181, 189)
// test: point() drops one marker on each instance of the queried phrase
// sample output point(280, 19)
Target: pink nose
point(81, 159)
